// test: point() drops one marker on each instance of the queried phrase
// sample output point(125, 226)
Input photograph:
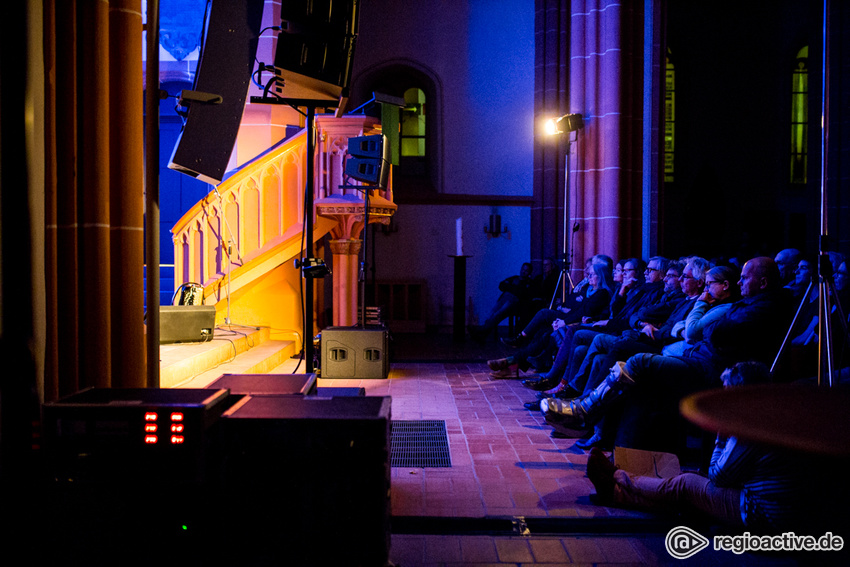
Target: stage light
point(564, 124)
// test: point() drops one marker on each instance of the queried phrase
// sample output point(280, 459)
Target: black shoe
point(533, 406)
point(515, 342)
point(539, 384)
point(555, 434)
point(600, 471)
point(566, 394)
point(541, 362)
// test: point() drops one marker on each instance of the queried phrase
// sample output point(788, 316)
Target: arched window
point(413, 156)
point(800, 117)
point(669, 118)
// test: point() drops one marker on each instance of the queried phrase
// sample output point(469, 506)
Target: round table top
point(806, 418)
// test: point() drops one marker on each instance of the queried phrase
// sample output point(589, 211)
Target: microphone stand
point(229, 251)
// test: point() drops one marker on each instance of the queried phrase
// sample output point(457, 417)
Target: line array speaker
point(224, 69)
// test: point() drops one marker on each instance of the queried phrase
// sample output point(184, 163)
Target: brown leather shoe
point(498, 364)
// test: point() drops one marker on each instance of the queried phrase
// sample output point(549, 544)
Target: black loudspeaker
point(224, 69)
point(315, 49)
point(368, 159)
point(351, 352)
point(186, 323)
point(308, 480)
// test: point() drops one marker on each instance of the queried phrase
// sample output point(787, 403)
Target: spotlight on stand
point(367, 159)
point(313, 267)
point(564, 124)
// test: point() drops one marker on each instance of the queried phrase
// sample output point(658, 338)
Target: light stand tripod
point(827, 299)
point(564, 125)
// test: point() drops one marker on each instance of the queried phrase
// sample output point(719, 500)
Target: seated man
point(752, 330)
point(516, 292)
point(747, 486)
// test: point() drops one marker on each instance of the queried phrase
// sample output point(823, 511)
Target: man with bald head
point(751, 330)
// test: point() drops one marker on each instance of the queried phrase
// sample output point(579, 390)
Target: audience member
point(787, 260)
point(802, 278)
point(719, 293)
point(545, 285)
point(748, 486)
point(516, 294)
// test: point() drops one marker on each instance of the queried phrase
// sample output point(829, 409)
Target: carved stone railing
point(257, 213)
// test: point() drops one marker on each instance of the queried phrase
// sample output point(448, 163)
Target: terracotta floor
point(513, 495)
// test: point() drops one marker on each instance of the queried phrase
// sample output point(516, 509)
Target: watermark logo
point(683, 542)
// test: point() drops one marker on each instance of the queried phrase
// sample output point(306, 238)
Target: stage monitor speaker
point(224, 69)
point(352, 352)
point(314, 51)
point(186, 323)
point(308, 480)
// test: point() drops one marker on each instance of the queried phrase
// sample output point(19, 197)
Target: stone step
point(261, 359)
point(184, 361)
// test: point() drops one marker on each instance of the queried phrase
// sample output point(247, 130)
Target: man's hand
point(649, 330)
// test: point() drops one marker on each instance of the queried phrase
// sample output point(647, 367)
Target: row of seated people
point(618, 380)
point(672, 313)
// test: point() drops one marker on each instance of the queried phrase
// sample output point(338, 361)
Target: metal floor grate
point(419, 443)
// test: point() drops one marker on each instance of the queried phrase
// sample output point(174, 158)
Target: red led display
point(176, 439)
point(177, 416)
point(150, 427)
point(177, 428)
point(150, 439)
point(151, 416)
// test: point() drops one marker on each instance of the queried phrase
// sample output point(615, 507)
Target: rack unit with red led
point(117, 435)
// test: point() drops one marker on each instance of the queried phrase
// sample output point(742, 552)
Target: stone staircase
point(233, 350)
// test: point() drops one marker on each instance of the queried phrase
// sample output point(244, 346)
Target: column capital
point(346, 246)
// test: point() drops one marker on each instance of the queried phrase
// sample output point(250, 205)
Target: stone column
point(346, 258)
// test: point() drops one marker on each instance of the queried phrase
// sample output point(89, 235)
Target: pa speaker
point(315, 49)
point(368, 159)
point(186, 323)
point(224, 69)
point(355, 353)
